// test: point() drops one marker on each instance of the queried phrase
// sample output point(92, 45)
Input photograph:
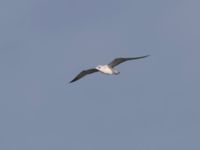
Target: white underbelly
point(106, 70)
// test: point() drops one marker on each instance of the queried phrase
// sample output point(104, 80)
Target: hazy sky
point(152, 105)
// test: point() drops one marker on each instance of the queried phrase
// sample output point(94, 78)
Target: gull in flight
point(106, 69)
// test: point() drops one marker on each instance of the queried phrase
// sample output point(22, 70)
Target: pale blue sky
point(152, 105)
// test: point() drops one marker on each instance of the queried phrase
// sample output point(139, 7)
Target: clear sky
point(152, 105)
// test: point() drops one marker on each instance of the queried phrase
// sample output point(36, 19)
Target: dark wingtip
point(72, 81)
point(69, 82)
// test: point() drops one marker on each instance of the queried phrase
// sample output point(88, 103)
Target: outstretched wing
point(84, 73)
point(118, 61)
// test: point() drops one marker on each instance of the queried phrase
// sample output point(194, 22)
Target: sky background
point(152, 105)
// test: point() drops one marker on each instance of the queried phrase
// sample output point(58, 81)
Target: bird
point(106, 69)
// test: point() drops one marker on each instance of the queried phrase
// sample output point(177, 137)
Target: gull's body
point(106, 69)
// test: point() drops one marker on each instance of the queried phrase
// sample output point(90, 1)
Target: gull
point(106, 69)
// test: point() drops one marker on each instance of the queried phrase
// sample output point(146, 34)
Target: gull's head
point(99, 67)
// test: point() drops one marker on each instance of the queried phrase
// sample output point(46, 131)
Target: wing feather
point(118, 61)
point(84, 73)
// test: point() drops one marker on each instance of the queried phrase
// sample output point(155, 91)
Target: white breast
point(106, 69)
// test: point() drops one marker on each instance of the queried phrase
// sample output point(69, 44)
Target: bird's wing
point(84, 73)
point(118, 61)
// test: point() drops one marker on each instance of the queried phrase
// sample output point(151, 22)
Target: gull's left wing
point(118, 61)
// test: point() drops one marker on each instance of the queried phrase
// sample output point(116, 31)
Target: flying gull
point(106, 69)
